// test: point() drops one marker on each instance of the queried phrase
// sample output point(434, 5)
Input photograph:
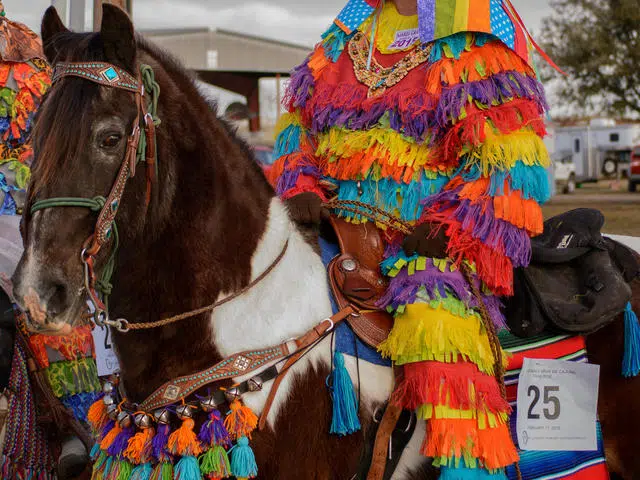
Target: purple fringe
point(289, 178)
point(213, 431)
point(301, 86)
point(107, 428)
point(121, 441)
point(404, 288)
point(159, 443)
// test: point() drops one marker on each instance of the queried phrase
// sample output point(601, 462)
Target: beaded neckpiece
point(377, 77)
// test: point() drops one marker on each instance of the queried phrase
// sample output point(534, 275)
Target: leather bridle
point(105, 229)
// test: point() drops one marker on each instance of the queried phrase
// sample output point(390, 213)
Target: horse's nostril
point(58, 300)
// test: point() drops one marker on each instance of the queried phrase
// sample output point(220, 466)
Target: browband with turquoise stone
point(98, 72)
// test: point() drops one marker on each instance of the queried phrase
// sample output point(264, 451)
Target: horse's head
point(80, 139)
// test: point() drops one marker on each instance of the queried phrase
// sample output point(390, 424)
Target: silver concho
point(124, 419)
point(162, 416)
point(349, 265)
point(142, 420)
point(184, 411)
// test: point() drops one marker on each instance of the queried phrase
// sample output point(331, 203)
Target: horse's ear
point(50, 27)
point(118, 38)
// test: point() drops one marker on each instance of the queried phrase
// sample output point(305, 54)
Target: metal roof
point(224, 50)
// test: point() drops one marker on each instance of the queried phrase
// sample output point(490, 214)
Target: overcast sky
point(298, 21)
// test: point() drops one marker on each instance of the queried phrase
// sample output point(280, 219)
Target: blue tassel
point(631, 359)
point(449, 473)
point(345, 403)
point(187, 469)
point(243, 461)
point(142, 472)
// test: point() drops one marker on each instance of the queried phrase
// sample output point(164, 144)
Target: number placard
point(557, 403)
point(106, 359)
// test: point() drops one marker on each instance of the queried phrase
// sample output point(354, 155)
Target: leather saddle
point(356, 279)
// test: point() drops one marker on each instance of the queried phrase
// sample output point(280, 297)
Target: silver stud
point(108, 400)
point(142, 421)
point(124, 419)
point(208, 404)
point(184, 411)
point(349, 265)
point(255, 384)
point(112, 411)
point(162, 416)
point(232, 394)
point(107, 388)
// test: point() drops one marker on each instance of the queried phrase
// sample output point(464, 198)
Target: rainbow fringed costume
point(457, 143)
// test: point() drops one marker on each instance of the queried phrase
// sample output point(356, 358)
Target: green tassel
point(162, 471)
point(345, 402)
point(215, 462)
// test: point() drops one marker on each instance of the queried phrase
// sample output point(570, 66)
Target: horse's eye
point(111, 141)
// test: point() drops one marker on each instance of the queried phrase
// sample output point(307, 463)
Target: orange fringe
point(241, 421)
point(139, 447)
point(97, 415)
point(318, 62)
point(520, 212)
point(110, 437)
point(184, 441)
point(461, 438)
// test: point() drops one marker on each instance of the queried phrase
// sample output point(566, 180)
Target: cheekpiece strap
point(98, 72)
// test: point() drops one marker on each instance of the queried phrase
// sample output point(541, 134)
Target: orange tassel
point(184, 441)
point(241, 421)
point(97, 415)
point(110, 437)
point(139, 448)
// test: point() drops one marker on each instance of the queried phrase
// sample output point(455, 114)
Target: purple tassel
point(159, 443)
point(213, 432)
point(119, 445)
point(106, 429)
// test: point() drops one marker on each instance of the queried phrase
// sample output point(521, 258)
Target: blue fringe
point(334, 40)
point(288, 141)
point(392, 196)
point(631, 358)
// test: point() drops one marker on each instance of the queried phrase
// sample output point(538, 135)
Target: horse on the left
point(201, 225)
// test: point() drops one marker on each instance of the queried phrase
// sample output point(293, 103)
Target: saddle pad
point(554, 465)
point(346, 341)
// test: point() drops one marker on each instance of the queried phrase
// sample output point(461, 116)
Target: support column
point(126, 5)
point(76, 15)
point(253, 102)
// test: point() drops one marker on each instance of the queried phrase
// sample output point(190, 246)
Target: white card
point(405, 38)
point(557, 405)
point(106, 359)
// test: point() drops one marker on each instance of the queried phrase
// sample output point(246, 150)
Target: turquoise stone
point(110, 74)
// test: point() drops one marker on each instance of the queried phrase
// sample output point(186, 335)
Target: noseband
point(139, 149)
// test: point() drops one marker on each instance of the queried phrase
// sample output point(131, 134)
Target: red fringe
point(458, 385)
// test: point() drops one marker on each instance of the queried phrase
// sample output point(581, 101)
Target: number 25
point(548, 414)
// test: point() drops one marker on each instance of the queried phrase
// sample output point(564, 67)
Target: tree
point(597, 43)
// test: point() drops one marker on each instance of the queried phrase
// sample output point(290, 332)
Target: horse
point(209, 228)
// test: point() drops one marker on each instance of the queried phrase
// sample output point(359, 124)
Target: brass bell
point(232, 394)
point(184, 411)
point(112, 411)
point(108, 400)
point(162, 416)
point(255, 384)
point(124, 419)
point(208, 404)
point(107, 388)
point(142, 421)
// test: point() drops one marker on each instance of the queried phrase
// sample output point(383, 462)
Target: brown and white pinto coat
point(213, 225)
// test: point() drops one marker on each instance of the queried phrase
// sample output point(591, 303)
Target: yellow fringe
point(389, 23)
point(484, 418)
point(350, 154)
point(422, 333)
point(503, 151)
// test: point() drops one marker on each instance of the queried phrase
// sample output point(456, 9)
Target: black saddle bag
point(577, 282)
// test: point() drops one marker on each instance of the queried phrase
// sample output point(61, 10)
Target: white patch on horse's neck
point(289, 301)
